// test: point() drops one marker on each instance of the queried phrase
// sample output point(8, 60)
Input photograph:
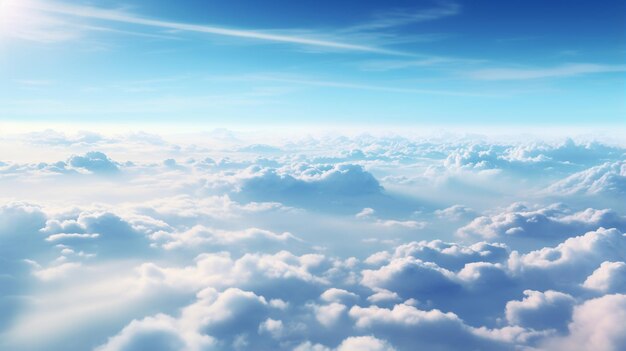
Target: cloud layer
point(337, 243)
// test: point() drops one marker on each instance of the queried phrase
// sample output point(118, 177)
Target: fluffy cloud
point(606, 179)
point(94, 162)
point(353, 343)
point(224, 241)
point(571, 261)
point(410, 327)
point(610, 277)
point(160, 332)
point(452, 256)
point(19, 229)
point(201, 236)
point(597, 324)
point(313, 186)
point(532, 156)
point(550, 224)
point(541, 310)
point(411, 277)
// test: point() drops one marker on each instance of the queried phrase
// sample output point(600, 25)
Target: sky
point(312, 175)
point(246, 63)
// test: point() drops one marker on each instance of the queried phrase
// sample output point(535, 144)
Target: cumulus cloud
point(313, 186)
point(455, 213)
point(610, 277)
point(571, 261)
point(160, 332)
point(547, 225)
point(410, 327)
point(232, 242)
point(94, 162)
point(353, 343)
point(606, 179)
point(596, 324)
point(541, 310)
point(201, 236)
point(532, 156)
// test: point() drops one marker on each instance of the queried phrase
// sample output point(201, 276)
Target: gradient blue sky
point(311, 62)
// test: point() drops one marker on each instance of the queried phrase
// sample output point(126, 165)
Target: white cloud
point(563, 71)
point(160, 332)
point(95, 13)
point(547, 225)
point(201, 236)
point(606, 179)
point(597, 324)
point(338, 295)
point(220, 249)
point(610, 277)
point(541, 310)
point(353, 343)
point(329, 315)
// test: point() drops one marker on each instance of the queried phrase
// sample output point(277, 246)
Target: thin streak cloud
point(123, 17)
point(404, 17)
point(358, 86)
point(568, 70)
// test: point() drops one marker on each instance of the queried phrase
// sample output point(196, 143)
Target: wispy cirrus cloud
point(119, 16)
point(305, 81)
point(562, 71)
point(402, 17)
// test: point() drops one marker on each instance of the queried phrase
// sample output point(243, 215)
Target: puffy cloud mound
point(221, 241)
point(606, 179)
point(353, 343)
point(550, 224)
point(597, 324)
point(532, 156)
point(94, 162)
point(411, 277)
point(452, 256)
point(569, 262)
point(541, 310)
point(610, 277)
point(158, 333)
point(322, 187)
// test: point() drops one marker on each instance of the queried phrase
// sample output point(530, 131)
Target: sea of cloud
point(217, 241)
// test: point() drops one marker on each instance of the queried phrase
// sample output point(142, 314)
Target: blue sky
point(309, 62)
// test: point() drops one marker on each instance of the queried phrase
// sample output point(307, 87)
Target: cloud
point(201, 236)
point(606, 179)
point(570, 262)
point(541, 310)
point(329, 315)
point(563, 71)
point(353, 343)
point(103, 233)
point(305, 249)
point(549, 224)
point(528, 158)
point(411, 277)
point(368, 213)
point(160, 332)
point(410, 327)
point(610, 277)
point(455, 213)
point(337, 188)
point(94, 162)
point(402, 17)
point(215, 318)
point(19, 222)
point(95, 13)
point(364, 343)
point(596, 324)
point(338, 295)
point(452, 256)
